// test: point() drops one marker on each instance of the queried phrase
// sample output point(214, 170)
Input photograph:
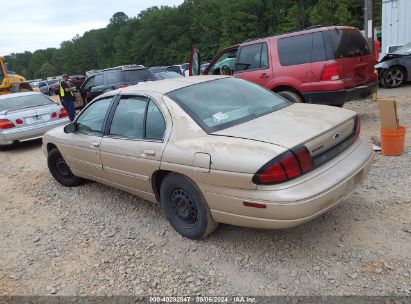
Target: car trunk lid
point(33, 115)
point(318, 127)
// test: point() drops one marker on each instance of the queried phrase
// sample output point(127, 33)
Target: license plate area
point(36, 119)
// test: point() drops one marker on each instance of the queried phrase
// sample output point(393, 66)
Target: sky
point(28, 25)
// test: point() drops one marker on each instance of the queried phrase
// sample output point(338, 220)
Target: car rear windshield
point(21, 102)
point(348, 43)
point(219, 104)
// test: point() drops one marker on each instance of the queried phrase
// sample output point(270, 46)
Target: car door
point(252, 64)
point(81, 149)
point(98, 86)
point(132, 147)
point(295, 68)
point(85, 90)
point(224, 62)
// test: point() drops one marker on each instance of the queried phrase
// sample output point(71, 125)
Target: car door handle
point(264, 75)
point(94, 145)
point(148, 153)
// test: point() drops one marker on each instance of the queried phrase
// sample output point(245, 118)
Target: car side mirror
point(70, 128)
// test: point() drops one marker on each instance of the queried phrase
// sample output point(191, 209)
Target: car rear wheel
point(393, 77)
point(60, 170)
point(185, 207)
point(291, 96)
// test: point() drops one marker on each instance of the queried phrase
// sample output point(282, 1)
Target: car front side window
point(91, 120)
point(227, 59)
point(252, 57)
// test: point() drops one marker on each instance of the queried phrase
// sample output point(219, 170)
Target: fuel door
point(202, 162)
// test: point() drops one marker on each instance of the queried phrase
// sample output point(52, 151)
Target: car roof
point(7, 96)
point(294, 33)
point(165, 86)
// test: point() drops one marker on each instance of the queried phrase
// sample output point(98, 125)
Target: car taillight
point(287, 166)
point(6, 124)
point(53, 115)
point(331, 72)
point(122, 86)
point(19, 121)
point(63, 113)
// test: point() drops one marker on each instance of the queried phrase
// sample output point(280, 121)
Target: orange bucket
point(392, 141)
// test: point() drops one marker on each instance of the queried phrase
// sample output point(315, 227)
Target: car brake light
point(6, 124)
point(122, 86)
point(53, 115)
point(331, 72)
point(63, 113)
point(287, 166)
point(19, 121)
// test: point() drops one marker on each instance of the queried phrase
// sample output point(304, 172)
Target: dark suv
point(325, 65)
point(115, 78)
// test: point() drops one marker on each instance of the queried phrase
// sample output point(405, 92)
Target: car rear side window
point(137, 117)
point(301, 49)
point(113, 78)
point(252, 57)
point(128, 119)
point(295, 50)
point(136, 75)
point(318, 49)
point(348, 43)
point(155, 124)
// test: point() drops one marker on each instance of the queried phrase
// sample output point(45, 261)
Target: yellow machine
point(10, 82)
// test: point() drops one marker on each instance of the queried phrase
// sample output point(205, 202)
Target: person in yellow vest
point(67, 97)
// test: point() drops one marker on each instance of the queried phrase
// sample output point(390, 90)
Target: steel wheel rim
point(394, 78)
point(183, 208)
point(62, 168)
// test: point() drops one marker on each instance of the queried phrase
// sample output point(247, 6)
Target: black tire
point(291, 96)
point(393, 77)
point(60, 170)
point(185, 207)
point(50, 92)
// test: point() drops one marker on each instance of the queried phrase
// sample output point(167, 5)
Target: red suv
point(326, 65)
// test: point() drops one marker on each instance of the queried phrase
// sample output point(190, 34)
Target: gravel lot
point(95, 240)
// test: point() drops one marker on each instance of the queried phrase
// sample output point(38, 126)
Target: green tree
point(321, 13)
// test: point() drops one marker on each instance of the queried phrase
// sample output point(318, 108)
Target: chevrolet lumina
point(214, 149)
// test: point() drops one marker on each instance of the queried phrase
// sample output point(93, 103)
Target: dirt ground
point(95, 240)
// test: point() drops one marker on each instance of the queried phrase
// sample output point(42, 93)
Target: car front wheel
point(60, 170)
point(393, 77)
point(185, 207)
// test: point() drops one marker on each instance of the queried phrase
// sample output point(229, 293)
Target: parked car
point(114, 78)
point(394, 69)
point(326, 65)
point(214, 149)
point(46, 86)
point(28, 115)
point(35, 85)
point(77, 80)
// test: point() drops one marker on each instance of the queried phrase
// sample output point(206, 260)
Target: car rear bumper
point(339, 97)
point(9, 136)
point(296, 204)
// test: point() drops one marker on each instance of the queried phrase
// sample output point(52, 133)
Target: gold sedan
point(214, 150)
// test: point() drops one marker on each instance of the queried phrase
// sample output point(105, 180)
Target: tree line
point(164, 35)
